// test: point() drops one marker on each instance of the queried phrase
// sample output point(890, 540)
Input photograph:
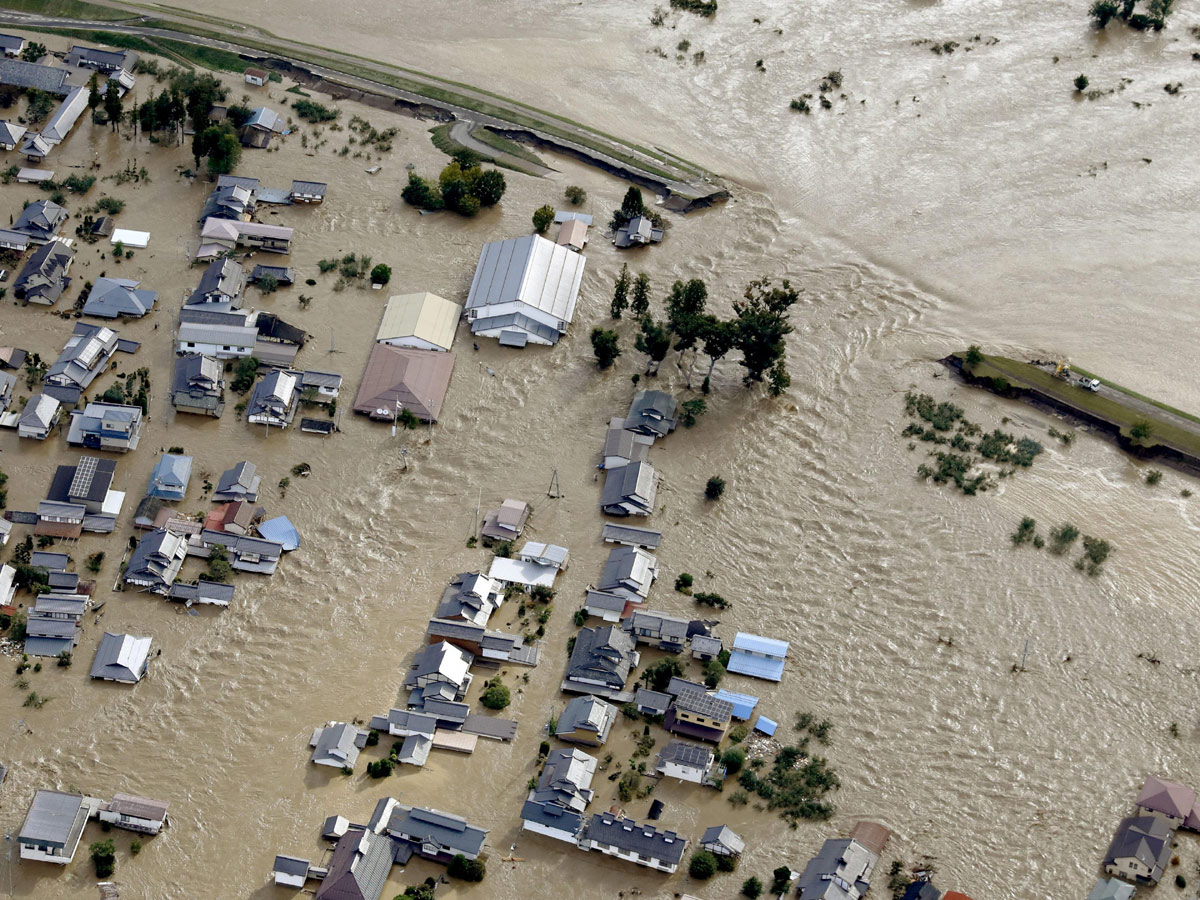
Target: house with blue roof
point(169, 480)
point(758, 657)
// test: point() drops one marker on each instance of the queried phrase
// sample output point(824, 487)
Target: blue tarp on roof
point(281, 531)
point(743, 704)
point(766, 726)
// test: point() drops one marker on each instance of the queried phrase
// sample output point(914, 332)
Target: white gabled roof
point(531, 270)
point(426, 316)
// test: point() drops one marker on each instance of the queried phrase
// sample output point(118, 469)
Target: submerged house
point(244, 553)
point(38, 418)
point(397, 378)
point(440, 664)
point(132, 813)
point(221, 286)
point(586, 720)
point(625, 839)
point(337, 745)
point(112, 298)
point(629, 572)
point(156, 561)
point(1171, 801)
point(121, 657)
point(40, 221)
point(85, 356)
point(638, 232)
point(199, 385)
point(722, 840)
point(262, 125)
point(699, 715)
point(229, 200)
point(658, 629)
point(220, 235)
point(1140, 849)
point(229, 337)
point(506, 523)
point(622, 446)
point(685, 761)
point(601, 662)
point(524, 291)
point(169, 480)
point(53, 826)
point(630, 490)
point(274, 400)
point(43, 278)
point(758, 657)
point(841, 870)
point(422, 321)
point(239, 483)
point(471, 597)
point(556, 805)
point(652, 413)
point(359, 867)
point(433, 834)
point(81, 498)
point(106, 426)
point(308, 192)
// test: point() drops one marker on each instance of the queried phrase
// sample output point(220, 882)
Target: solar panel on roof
point(84, 472)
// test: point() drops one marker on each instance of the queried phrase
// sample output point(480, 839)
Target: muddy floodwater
point(944, 200)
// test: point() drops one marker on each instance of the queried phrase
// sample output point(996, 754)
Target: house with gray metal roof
point(121, 657)
point(626, 839)
point(652, 703)
point(308, 191)
point(87, 485)
point(107, 61)
point(471, 597)
point(629, 572)
point(507, 522)
point(62, 120)
point(221, 285)
point(601, 662)
point(491, 646)
point(170, 477)
point(21, 74)
point(631, 536)
point(556, 806)
point(281, 274)
point(359, 868)
point(11, 45)
point(524, 291)
point(44, 277)
point(630, 490)
point(685, 761)
point(606, 606)
point(84, 357)
point(638, 232)
point(156, 561)
point(1140, 850)
point(290, 871)
point(405, 722)
point(132, 813)
point(204, 592)
point(239, 483)
point(38, 418)
point(1105, 889)
point(586, 720)
point(706, 646)
point(11, 134)
point(722, 840)
point(230, 201)
point(106, 426)
point(700, 715)
point(658, 629)
point(337, 745)
point(53, 826)
point(275, 399)
point(435, 835)
point(112, 298)
point(50, 636)
point(198, 385)
point(841, 870)
point(622, 446)
point(652, 413)
point(244, 553)
point(219, 341)
point(441, 664)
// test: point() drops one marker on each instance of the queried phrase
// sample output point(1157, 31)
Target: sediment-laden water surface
point(966, 200)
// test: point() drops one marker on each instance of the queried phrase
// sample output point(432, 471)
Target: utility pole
point(553, 491)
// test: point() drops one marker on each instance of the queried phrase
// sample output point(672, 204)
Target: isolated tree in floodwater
point(620, 300)
point(685, 316)
point(112, 104)
point(719, 336)
point(654, 341)
point(762, 327)
point(640, 305)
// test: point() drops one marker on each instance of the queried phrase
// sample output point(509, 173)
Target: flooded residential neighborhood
point(482, 500)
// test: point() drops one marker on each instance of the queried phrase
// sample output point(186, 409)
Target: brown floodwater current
point(944, 200)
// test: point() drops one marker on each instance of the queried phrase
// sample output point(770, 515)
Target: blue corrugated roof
point(766, 726)
point(755, 666)
point(281, 531)
point(757, 644)
point(743, 704)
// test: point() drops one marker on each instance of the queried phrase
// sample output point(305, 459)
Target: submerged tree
point(762, 326)
point(620, 300)
point(640, 305)
point(605, 344)
point(654, 341)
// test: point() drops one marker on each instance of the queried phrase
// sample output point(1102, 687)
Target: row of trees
point(758, 329)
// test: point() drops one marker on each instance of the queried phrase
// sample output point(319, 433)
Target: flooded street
point(980, 211)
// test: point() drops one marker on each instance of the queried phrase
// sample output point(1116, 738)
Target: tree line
point(758, 329)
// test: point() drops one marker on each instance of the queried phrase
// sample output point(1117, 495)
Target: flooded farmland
point(971, 197)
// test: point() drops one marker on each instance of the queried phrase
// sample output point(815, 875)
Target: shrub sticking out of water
point(705, 8)
point(796, 785)
point(1025, 532)
point(941, 416)
point(1062, 537)
point(1153, 477)
point(1095, 552)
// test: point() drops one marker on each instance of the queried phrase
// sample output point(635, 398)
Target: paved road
point(296, 54)
point(1153, 413)
point(463, 131)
